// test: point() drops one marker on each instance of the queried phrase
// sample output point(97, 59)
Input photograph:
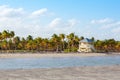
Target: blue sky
point(89, 18)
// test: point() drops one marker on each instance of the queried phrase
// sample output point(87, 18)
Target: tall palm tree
point(46, 42)
point(38, 41)
point(29, 38)
point(4, 45)
point(93, 39)
point(71, 38)
point(12, 34)
point(76, 41)
point(28, 46)
point(56, 40)
point(62, 37)
point(5, 34)
point(112, 44)
point(31, 45)
point(23, 43)
point(99, 45)
point(117, 46)
point(81, 38)
point(1, 37)
point(10, 44)
point(16, 41)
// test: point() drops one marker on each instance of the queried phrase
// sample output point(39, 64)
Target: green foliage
point(67, 50)
point(74, 49)
point(58, 42)
point(70, 50)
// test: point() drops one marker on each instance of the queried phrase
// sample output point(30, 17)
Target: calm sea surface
point(57, 62)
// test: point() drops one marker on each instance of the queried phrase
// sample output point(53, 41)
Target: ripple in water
point(57, 62)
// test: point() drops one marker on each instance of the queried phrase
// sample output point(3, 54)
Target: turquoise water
point(57, 62)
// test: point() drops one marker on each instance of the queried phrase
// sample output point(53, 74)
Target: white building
point(86, 45)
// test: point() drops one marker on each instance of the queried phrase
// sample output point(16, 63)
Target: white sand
point(74, 73)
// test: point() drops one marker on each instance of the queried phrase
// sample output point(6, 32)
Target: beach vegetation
point(9, 42)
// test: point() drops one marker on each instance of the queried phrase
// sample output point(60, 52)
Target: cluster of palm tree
point(109, 45)
point(57, 42)
point(4, 36)
point(60, 42)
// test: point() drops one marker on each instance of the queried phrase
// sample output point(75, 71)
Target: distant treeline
point(57, 43)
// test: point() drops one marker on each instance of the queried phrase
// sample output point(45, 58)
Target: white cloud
point(72, 22)
point(106, 23)
point(105, 28)
point(58, 22)
point(59, 25)
point(39, 12)
point(116, 30)
point(6, 11)
point(101, 21)
point(55, 23)
point(111, 25)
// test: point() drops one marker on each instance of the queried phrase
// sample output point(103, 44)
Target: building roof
point(86, 40)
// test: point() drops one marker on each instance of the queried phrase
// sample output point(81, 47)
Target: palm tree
point(81, 38)
point(29, 38)
point(106, 45)
point(62, 37)
point(98, 45)
point(5, 34)
point(46, 42)
point(71, 38)
point(12, 34)
point(1, 37)
point(23, 43)
point(38, 43)
point(93, 39)
point(16, 41)
point(56, 40)
point(31, 45)
point(76, 41)
point(112, 43)
point(118, 46)
point(10, 45)
point(52, 45)
point(28, 46)
point(4, 45)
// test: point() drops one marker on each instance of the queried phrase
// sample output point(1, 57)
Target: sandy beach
point(73, 73)
point(69, 73)
point(38, 55)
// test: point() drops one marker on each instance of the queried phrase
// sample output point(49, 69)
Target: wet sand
point(73, 73)
point(38, 55)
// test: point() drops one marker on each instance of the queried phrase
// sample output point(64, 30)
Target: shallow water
point(57, 62)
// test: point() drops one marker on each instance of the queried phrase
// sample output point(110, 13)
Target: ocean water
point(57, 62)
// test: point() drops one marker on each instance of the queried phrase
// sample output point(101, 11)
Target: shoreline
point(39, 55)
point(70, 73)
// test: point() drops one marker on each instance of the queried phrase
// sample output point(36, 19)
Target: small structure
point(86, 45)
